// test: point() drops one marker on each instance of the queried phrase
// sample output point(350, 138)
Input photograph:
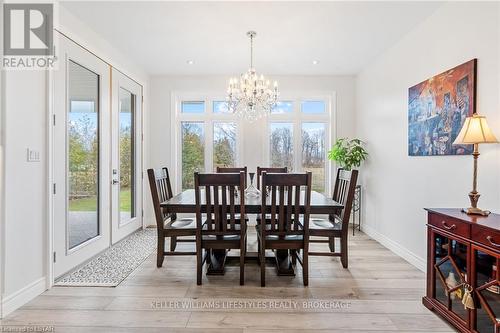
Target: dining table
point(184, 202)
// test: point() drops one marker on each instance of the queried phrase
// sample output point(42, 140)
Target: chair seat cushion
point(325, 224)
point(181, 223)
point(272, 237)
point(237, 227)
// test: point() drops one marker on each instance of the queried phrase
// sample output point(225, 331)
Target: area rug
point(112, 266)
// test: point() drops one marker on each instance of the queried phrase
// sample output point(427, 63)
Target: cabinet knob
point(492, 242)
point(448, 227)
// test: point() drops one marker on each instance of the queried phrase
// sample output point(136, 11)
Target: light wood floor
point(379, 292)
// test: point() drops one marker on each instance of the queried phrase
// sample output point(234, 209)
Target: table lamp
point(475, 131)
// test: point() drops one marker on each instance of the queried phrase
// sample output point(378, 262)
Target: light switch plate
point(33, 155)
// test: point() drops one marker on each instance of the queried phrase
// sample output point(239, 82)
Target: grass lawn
point(90, 204)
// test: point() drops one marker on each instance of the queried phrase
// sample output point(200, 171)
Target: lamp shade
point(475, 130)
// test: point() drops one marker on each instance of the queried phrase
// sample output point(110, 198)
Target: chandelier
point(251, 96)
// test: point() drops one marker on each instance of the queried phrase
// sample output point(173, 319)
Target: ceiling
point(162, 37)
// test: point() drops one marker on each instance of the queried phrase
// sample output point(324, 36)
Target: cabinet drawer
point(450, 225)
point(488, 237)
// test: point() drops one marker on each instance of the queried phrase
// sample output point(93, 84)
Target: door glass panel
point(193, 151)
point(487, 292)
point(281, 145)
point(450, 274)
point(127, 161)
point(224, 144)
point(313, 153)
point(83, 155)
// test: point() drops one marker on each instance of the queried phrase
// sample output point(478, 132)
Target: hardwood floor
point(379, 292)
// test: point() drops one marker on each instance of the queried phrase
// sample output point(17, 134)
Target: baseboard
point(23, 296)
point(401, 251)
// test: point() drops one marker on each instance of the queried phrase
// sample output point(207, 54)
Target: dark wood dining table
point(184, 202)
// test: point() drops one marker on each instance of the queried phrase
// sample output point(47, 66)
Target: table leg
point(284, 263)
point(217, 261)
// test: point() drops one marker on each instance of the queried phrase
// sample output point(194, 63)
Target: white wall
point(25, 222)
point(398, 187)
point(162, 87)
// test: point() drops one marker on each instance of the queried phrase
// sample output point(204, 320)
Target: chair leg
point(293, 254)
point(160, 255)
point(331, 244)
point(242, 262)
point(343, 250)
point(305, 266)
point(258, 250)
point(262, 254)
point(173, 243)
point(199, 263)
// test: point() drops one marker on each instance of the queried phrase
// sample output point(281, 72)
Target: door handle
point(115, 182)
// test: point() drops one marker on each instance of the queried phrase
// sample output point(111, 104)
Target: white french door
point(81, 157)
point(126, 190)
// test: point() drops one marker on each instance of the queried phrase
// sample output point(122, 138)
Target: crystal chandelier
point(251, 96)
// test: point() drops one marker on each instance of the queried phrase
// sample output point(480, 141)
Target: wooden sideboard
point(464, 250)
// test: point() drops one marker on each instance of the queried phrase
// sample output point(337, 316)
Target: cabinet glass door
point(487, 292)
point(450, 274)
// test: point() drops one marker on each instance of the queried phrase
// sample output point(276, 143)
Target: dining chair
point(337, 225)
point(168, 225)
point(268, 170)
point(233, 170)
point(289, 208)
point(217, 226)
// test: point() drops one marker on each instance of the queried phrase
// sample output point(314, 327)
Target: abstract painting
point(437, 109)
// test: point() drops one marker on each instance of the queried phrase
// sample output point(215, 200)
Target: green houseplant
point(348, 153)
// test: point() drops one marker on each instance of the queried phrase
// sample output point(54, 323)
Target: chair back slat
point(287, 200)
point(297, 204)
point(281, 209)
point(343, 193)
point(217, 214)
point(161, 190)
point(220, 204)
point(273, 207)
point(231, 207)
point(209, 207)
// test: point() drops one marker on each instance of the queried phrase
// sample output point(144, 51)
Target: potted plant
point(348, 153)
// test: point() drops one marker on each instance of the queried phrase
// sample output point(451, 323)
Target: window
point(220, 107)
point(295, 135)
point(298, 137)
point(283, 107)
point(224, 145)
point(206, 136)
point(193, 151)
point(313, 107)
point(193, 107)
point(281, 145)
point(313, 153)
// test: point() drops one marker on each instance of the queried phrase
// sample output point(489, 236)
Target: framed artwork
point(437, 109)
